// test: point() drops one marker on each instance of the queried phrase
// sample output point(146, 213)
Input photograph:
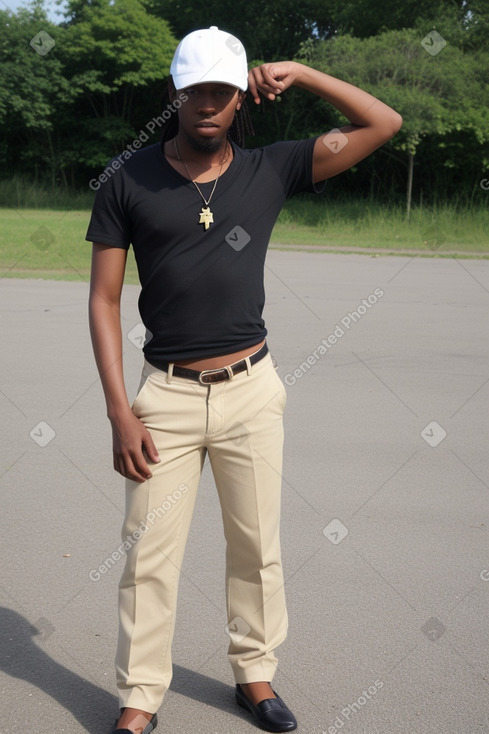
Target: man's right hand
point(131, 441)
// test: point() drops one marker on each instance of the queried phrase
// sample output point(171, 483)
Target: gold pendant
point(206, 218)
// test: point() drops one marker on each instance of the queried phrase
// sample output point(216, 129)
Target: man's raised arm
point(373, 123)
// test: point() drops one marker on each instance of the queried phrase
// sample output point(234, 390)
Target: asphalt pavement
point(385, 508)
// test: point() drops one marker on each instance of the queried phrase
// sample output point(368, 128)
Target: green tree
point(364, 18)
point(116, 56)
point(269, 30)
point(32, 90)
point(438, 89)
point(67, 106)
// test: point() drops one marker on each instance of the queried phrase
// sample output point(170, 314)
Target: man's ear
point(241, 99)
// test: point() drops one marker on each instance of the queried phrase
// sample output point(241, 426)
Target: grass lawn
point(47, 243)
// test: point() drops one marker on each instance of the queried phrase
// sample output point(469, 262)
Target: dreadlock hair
point(240, 127)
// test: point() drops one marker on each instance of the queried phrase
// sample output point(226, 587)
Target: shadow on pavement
point(93, 707)
point(20, 657)
point(204, 689)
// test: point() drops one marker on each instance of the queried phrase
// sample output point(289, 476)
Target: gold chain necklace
point(206, 216)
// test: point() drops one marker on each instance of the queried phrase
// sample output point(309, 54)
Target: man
point(199, 211)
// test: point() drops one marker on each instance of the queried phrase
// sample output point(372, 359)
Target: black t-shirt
point(202, 290)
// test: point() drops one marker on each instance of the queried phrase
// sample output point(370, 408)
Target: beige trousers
point(239, 424)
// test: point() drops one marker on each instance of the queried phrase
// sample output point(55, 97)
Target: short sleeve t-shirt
point(202, 291)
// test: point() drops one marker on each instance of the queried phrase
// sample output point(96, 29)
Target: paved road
point(385, 512)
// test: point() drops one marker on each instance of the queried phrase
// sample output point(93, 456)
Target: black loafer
point(151, 725)
point(271, 714)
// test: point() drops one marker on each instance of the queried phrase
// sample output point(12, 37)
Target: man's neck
point(205, 155)
point(198, 166)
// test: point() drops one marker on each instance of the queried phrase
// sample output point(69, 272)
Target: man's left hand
point(271, 79)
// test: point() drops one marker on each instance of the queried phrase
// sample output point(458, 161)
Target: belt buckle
point(204, 373)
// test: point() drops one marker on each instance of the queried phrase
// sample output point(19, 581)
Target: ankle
point(136, 720)
point(257, 691)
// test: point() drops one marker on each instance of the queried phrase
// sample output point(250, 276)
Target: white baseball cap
point(210, 55)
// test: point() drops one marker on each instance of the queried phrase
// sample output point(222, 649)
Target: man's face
point(208, 113)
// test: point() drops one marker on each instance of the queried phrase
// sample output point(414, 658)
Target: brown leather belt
point(209, 377)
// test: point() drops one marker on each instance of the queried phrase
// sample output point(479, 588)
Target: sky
point(51, 6)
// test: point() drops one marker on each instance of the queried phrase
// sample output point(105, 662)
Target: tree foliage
point(114, 54)
point(270, 29)
point(31, 89)
point(65, 111)
point(439, 96)
point(434, 94)
point(365, 18)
